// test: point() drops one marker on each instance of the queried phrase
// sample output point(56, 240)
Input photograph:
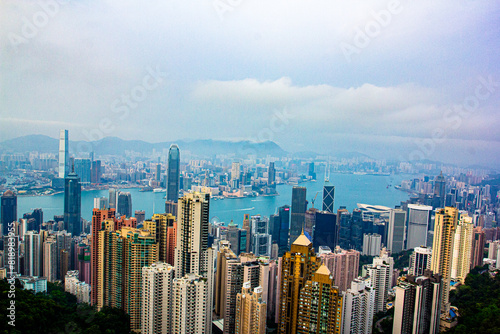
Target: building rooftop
point(302, 240)
point(323, 270)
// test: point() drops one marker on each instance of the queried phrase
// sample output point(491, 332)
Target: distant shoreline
point(83, 190)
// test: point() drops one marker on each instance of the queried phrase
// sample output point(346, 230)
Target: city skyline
point(250, 167)
point(261, 72)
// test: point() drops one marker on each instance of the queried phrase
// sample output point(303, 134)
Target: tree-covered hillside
point(57, 312)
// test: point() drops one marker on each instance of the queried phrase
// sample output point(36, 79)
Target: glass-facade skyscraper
point(173, 173)
point(328, 197)
point(82, 169)
point(326, 230)
point(284, 228)
point(72, 204)
point(299, 207)
point(124, 204)
point(63, 154)
point(271, 174)
point(9, 210)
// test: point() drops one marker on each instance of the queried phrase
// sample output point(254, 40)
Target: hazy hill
point(117, 146)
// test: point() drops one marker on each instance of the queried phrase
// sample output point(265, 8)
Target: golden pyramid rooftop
point(323, 270)
point(302, 240)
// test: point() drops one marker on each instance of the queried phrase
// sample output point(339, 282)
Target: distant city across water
point(350, 189)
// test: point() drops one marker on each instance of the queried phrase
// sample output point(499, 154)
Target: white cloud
point(227, 77)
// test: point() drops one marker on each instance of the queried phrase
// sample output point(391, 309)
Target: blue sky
point(391, 79)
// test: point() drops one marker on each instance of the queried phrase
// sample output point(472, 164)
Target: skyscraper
point(171, 240)
point(462, 248)
point(310, 222)
point(279, 225)
point(171, 207)
point(299, 207)
point(112, 198)
point(237, 238)
point(358, 307)
point(396, 231)
point(224, 255)
point(50, 257)
point(192, 233)
point(261, 244)
point(72, 204)
point(83, 263)
point(343, 264)
point(357, 229)
point(440, 188)
point(233, 285)
point(160, 225)
point(311, 172)
point(173, 173)
point(35, 219)
point(140, 250)
point(95, 171)
point(442, 250)
point(140, 215)
point(272, 291)
point(417, 304)
point(328, 197)
point(380, 272)
point(325, 230)
point(478, 243)
point(98, 219)
point(237, 271)
point(82, 169)
point(371, 244)
point(418, 224)
point(158, 173)
point(297, 267)
point(121, 257)
point(33, 254)
point(101, 203)
point(157, 284)
point(124, 204)
point(420, 260)
point(259, 224)
point(192, 254)
point(271, 174)
point(284, 228)
point(247, 227)
point(63, 248)
point(63, 154)
point(235, 174)
point(345, 228)
point(320, 304)
point(9, 210)
point(250, 311)
point(192, 304)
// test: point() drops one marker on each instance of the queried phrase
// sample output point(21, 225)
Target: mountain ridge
point(118, 146)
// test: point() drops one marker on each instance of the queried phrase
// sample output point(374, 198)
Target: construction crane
point(314, 199)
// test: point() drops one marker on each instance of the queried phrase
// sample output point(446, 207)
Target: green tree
point(478, 303)
point(58, 312)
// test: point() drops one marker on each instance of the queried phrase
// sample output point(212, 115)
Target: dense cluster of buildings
point(296, 271)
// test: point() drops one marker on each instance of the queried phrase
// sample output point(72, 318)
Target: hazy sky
point(385, 78)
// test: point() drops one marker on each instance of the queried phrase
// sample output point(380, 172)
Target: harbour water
point(350, 189)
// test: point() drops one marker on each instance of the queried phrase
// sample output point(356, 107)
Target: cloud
point(226, 78)
point(405, 110)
